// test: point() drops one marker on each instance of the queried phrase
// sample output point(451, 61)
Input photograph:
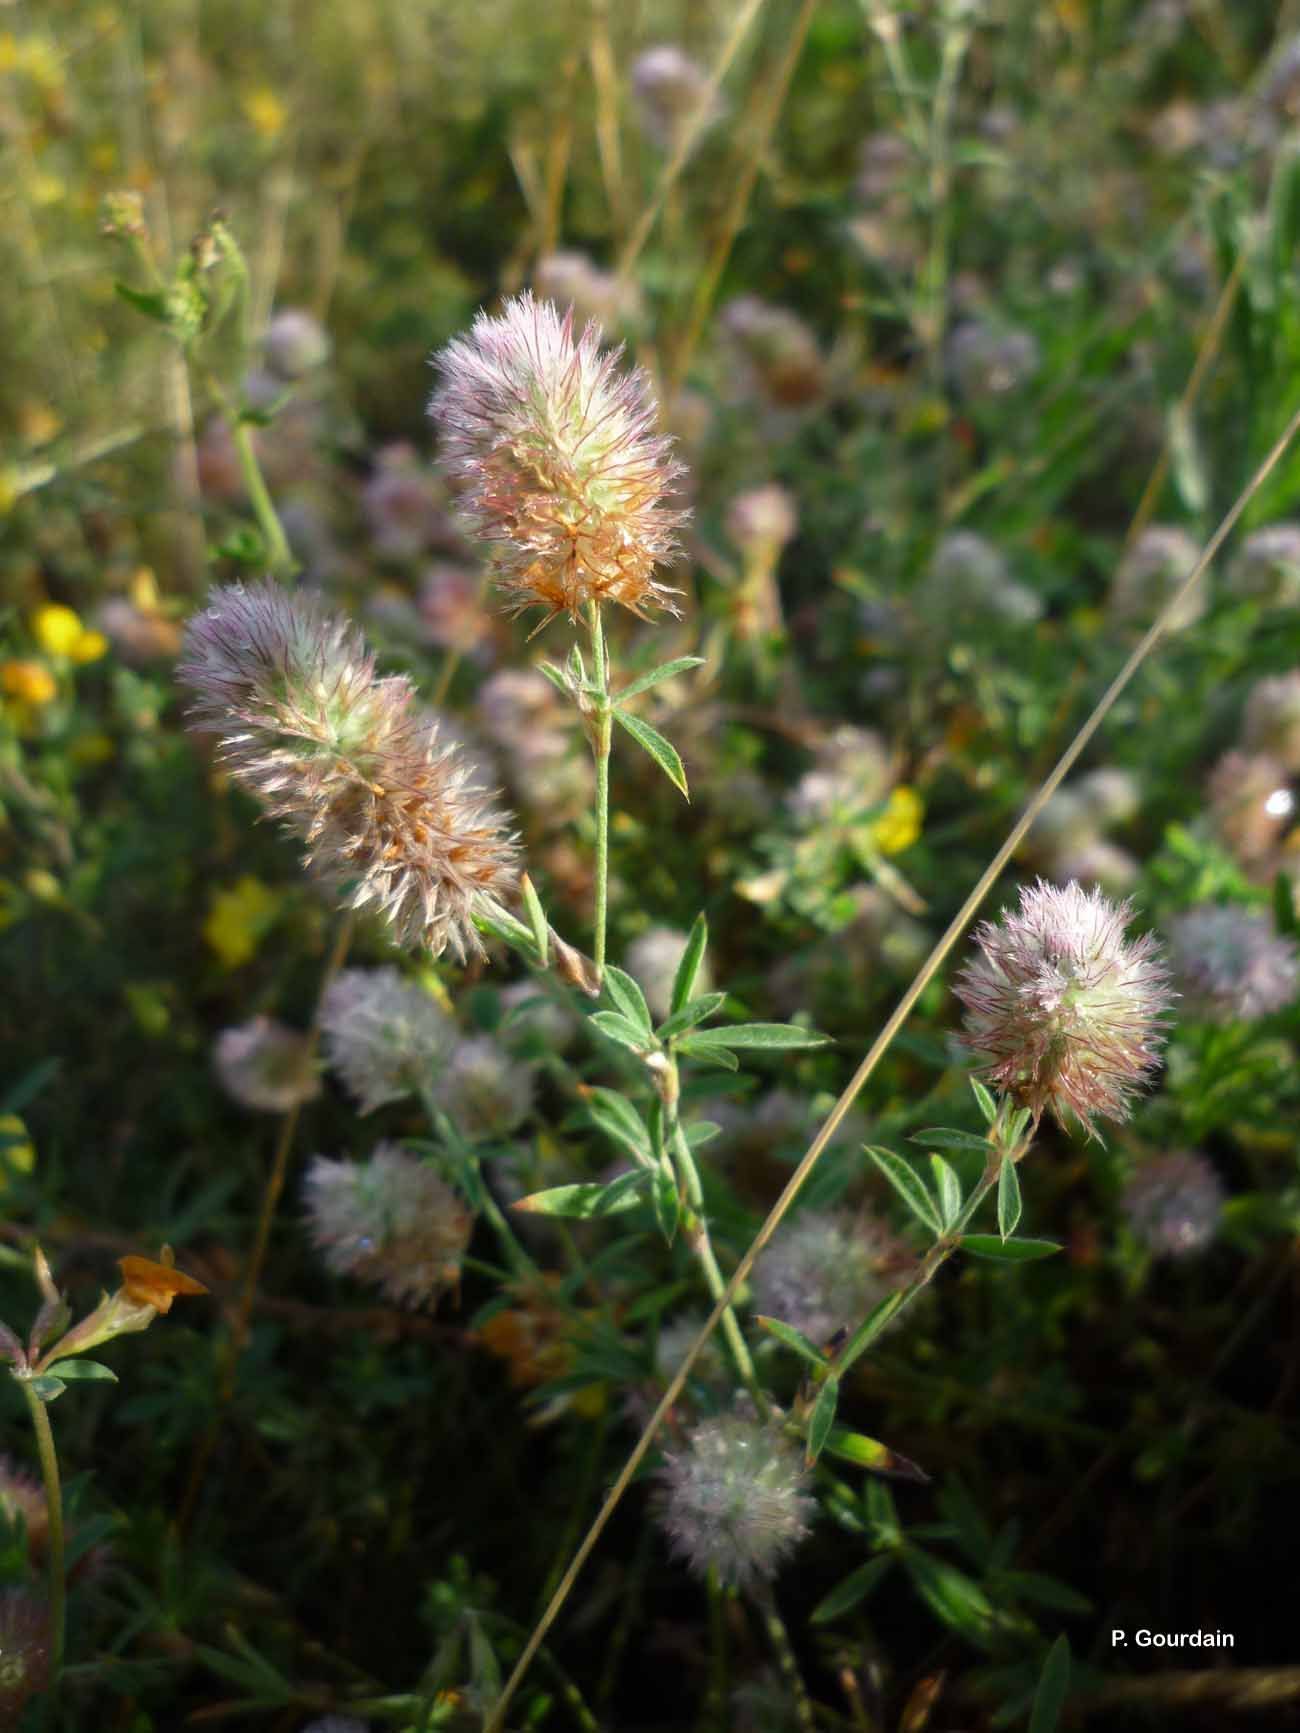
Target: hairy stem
point(600, 746)
point(280, 560)
point(54, 1506)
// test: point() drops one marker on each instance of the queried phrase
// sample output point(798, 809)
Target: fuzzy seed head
point(384, 1035)
point(1063, 1009)
point(263, 1065)
point(1157, 564)
point(390, 1221)
point(1272, 722)
point(762, 520)
point(733, 1498)
point(1173, 1203)
point(826, 1270)
point(969, 583)
point(348, 762)
point(1267, 566)
point(485, 1091)
point(670, 90)
point(1230, 963)
point(562, 468)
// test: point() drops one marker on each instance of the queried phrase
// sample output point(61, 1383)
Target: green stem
point(467, 1156)
point(783, 1649)
point(54, 1507)
point(280, 558)
point(697, 1237)
point(600, 746)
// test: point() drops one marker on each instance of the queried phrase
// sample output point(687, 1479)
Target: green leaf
point(710, 1050)
point(948, 1188)
point(767, 1037)
point(793, 1339)
point(703, 1131)
point(583, 1202)
point(949, 1137)
point(870, 1453)
point(665, 671)
point(956, 1599)
point(688, 969)
point(628, 997)
point(1053, 1688)
point(47, 1387)
point(855, 1587)
point(624, 1031)
point(1007, 1251)
point(652, 741)
point(555, 676)
point(823, 1418)
point(984, 1096)
point(909, 1186)
point(1009, 1202)
point(89, 1370)
point(536, 920)
point(667, 1201)
point(869, 1329)
point(1047, 1591)
point(152, 304)
point(618, 1119)
point(693, 1012)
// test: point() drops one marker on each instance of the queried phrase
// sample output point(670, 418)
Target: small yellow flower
point(266, 113)
point(59, 632)
point(899, 824)
point(17, 1151)
point(29, 682)
point(56, 629)
point(239, 918)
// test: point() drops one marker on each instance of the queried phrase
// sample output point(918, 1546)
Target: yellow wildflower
point(899, 824)
point(265, 111)
point(29, 682)
point(59, 632)
point(239, 918)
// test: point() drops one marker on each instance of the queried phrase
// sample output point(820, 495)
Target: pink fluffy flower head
point(348, 761)
point(562, 467)
point(1066, 1012)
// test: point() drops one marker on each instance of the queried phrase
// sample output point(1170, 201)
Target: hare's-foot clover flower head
point(670, 91)
point(384, 1036)
point(1267, 566)
point(733, 1498)
point(761, 521)
point(263, 1065)
point(1230, 963)
point(391, 1221)
point(562, 468)
point(1172, 1204)
point(1158, 563)
point(485, 1091)
point(348, 762)
point(1064, 1010)
point(1251, 806)
point(826, 1270)
point(295, 344)
point(1272, 721)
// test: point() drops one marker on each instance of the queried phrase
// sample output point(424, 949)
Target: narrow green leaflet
point(47, 1387)
point(1007, 1251)
point(1009, 1204)
point(823, 1418)
point(710, 1050)
point(537, 920)
point(667, 1201)
point(89, 1370)
point(623, 1030)
point(665, 671)
point(652, 741)
point(951, 1595)
point(1053, 1688)
point(769, 1037)
point(948, 1189)
point(949, 1137)
point(703, 1131)
point(909, 1186)
point(864, 1452)
point(585, 1200)
point(628, 997)
point(555, 676)
point(689, 968)
point(855, 1587)
point(793, 1339)
point(984, 1096)
point(618, 1119)
point(693, 1012)
point(869, 1329)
